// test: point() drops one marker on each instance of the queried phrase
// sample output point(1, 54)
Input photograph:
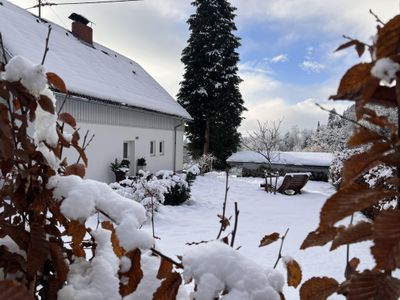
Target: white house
point(113, 97)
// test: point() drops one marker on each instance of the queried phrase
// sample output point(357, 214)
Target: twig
point(152, 216)
point(46, 49)
point(63, 103)
point(235, 226)
point(198, 243)
point(376, 17)
point(224, 206)
point(104, 213)
point(178, 264)
point(280, 248)
point(85, 145)
point(2, 49)
point(348, 245)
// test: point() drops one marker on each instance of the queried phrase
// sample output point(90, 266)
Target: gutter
point(175, 129)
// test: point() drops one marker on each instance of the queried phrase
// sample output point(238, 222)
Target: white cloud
point(269, 99)
point(311, 66)
point(279, 58)
point(311, 16)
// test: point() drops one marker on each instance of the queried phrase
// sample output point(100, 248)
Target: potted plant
point(141, 164)
point(120, 169)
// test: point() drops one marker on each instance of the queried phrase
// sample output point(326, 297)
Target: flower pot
point(119, 176)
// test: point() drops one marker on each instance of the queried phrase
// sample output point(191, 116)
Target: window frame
point(161, 147)
point(125, 144)
point(153, 148)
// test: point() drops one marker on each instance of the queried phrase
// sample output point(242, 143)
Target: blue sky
point(287, 59)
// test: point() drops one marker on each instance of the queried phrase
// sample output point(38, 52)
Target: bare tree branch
point(376, 17)
point(222, 228)
point(265, 140)
point(46, 49)
point(280, 248)
point(2, 49)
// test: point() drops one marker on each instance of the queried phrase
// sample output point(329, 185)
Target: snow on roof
point(96, 72)
point(285, 158)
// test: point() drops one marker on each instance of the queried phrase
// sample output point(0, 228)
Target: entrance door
point(132, 159)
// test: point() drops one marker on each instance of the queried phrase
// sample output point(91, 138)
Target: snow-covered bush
point(217, 268)
point(335, 169)
point(152, 190)
point(191, 173)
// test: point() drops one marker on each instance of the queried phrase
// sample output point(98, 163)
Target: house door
point(131, 157)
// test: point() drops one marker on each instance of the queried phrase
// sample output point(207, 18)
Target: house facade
point(111, 96)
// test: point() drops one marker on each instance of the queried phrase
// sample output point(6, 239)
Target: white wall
point(108, 145)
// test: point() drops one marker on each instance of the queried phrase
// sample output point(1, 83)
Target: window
point(125, 150)
point(161, 147)
point(153, 148)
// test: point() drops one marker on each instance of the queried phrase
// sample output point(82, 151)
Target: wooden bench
point(293, 182)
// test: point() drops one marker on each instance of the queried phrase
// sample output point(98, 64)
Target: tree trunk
point(206, 147)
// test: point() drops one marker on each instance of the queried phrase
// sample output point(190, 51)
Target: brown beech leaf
point(165, 269)
point(46, 104)
point(16, 233)
point(362, 231)
point(168, 288)
point(135, 273)
point(118, 250)
point(385, 96)
point(362, 136)
point(370, 285)
point(360, 48)
point(350, 199)
point(224, 222)
point(268, 239)
point(13, 290)
point(353, 82)
point(38, 250)
point(346, 45)
point(75, 169)
point(56, 82)
point(357, 164)
point(294, 274)
point(318, 288)
point(77, 231)
point(67, 118)
point(58, 262)
point(386, 233)
point(388, 39)
point(319, 238)
point(351, 267)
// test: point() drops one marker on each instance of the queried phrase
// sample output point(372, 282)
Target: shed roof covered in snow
point(284, 158)
point(91, 71)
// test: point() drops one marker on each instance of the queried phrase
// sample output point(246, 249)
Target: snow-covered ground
point(260, 214)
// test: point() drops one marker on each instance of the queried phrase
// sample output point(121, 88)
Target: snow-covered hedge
point(164, 187)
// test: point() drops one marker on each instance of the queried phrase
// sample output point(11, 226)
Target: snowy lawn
point(260, 214)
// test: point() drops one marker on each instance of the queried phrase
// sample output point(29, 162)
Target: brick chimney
point(80, 28)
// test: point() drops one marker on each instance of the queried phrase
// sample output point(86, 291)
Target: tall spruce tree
point(210, 91)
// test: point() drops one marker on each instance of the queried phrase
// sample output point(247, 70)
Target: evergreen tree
point(209, 90)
